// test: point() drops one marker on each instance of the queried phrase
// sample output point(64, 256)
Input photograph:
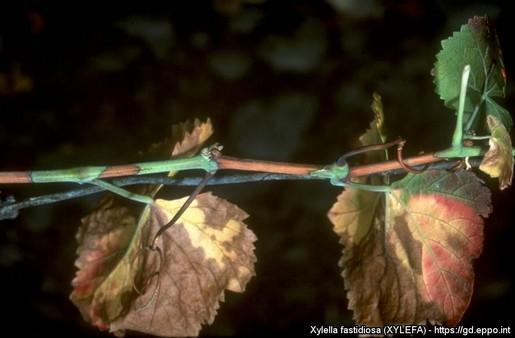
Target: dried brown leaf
point(207, 251)
point(121, 285)
point(376, 133)
point(407, 256)
point(107, 263)
point(185, 139)
point(498, 160)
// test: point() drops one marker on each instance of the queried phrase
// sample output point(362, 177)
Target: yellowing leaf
point(192, 136)
point(407, 256)
point(498, 161)
point(185, 140)
point(108, 263)
point(376, 133)
point(171, 293)
point(207, 251)
point(112, 260)
point(356, 210)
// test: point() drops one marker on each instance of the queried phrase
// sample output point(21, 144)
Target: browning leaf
point(121, 286)
point(207, 251)
point(376, 133)
point(185, 139)
point(108, 263)
point(408, 259)
point(498, 161)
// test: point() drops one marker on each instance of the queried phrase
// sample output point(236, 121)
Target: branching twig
point(10, 208)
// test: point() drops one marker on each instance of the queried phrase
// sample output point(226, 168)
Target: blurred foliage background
point(95, 83)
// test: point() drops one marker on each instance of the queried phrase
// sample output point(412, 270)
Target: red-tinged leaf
point(171, 292)
point(108, 264)
point(411, 260)
point(116, 266)
point(207, 251)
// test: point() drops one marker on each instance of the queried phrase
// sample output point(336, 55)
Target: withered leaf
point(376, 133)
point(170, 292)
point(498, 161)
point(207, 251)
point(407, 256)
point(185, 140)
point(108, 263)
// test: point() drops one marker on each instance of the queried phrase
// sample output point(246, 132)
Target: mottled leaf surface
point(498, 160)
point(108, 263)
point(207, 251)
point(408, 259)
point(476, 44)
point(167, 292)
point(357, 208)
point(123, 284)
point(376, 132)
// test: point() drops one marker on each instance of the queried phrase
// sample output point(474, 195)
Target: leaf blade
point(476, 44)
point(104, 254)
point(414, 263)
point(208, 250)
point(498, 160)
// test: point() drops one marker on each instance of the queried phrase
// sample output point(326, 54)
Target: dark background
point(94, 83)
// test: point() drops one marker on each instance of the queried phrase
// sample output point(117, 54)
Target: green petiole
point(123, 192)
point(457, 149)
point(457, 138)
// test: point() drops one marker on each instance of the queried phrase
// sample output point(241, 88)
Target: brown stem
point(376, 168)
point(227, 162)
point(400, 159)
point(234, 163)
point(15, 177)
point(371, 147)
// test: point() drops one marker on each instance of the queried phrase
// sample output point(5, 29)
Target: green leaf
point(408, 253)
point(476, 44)
point(498, 161)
